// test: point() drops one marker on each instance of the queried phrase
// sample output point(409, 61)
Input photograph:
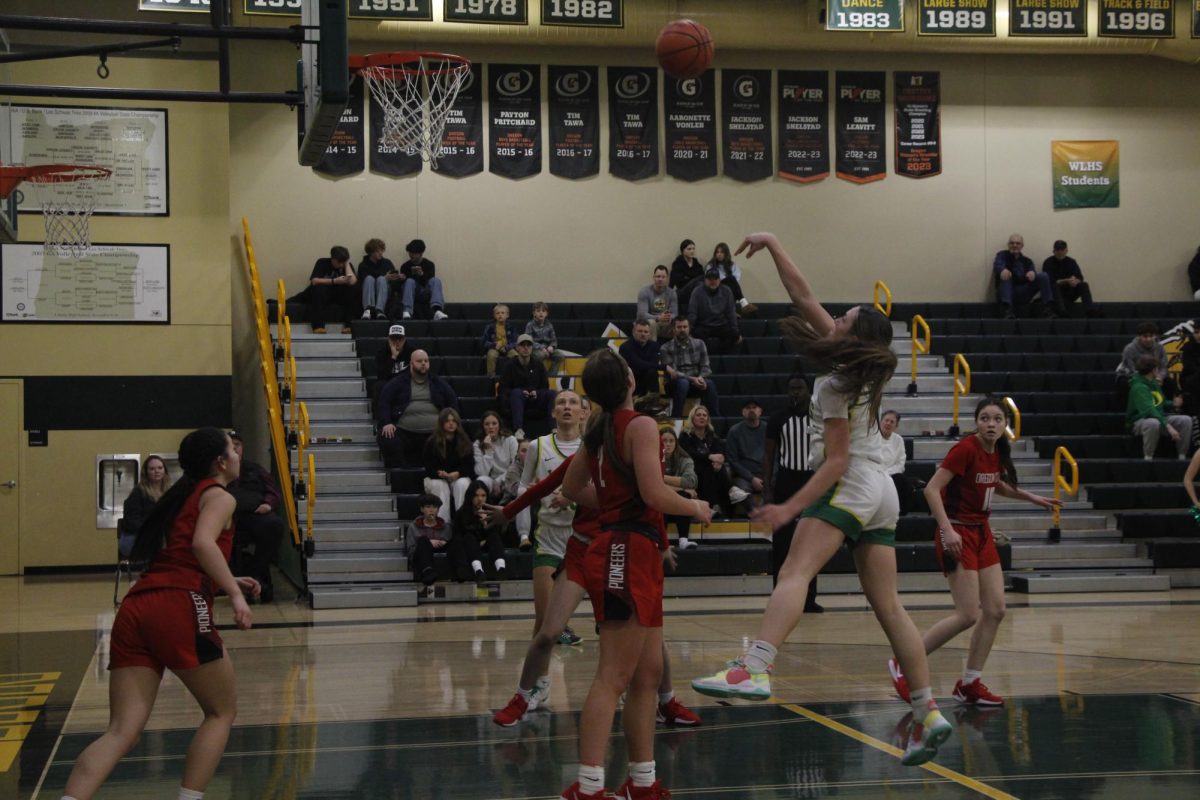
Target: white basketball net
point(415, 99)
point(67, 213)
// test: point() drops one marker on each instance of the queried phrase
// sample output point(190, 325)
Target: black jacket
point(398, 394)
point(432, 460)
point(253, 487)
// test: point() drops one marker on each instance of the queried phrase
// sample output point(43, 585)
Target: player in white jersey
point(849, 498)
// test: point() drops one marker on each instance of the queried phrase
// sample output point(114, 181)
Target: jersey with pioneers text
point(620, 503)
point(968, 496)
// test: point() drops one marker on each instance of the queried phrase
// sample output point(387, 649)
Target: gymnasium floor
point(395, 703)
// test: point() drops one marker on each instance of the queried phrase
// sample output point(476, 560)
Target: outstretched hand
point(773, 514)
point(1048, 503)
point(492, 516)
point(754, 242)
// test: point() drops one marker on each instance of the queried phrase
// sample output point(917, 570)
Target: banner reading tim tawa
point(344, 154)
point(633, 122)
point(461, 151)
point(861, 139)
point(803, 125)
point(515, 99)
point(918, 124)
point(387, 158)
point(690, 112)
point(574, 121)
point(1086, 174)
point(746, 123)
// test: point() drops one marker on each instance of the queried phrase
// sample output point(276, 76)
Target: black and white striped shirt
point(789, 429)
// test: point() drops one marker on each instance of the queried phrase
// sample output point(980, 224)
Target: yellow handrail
point(280, 301)
point(312, 502)
point(885, 310)
point(292, 387)
point(919, 346)
point(1013, 432)
point(302, 440)
point(963, 386)
point(1061, 485)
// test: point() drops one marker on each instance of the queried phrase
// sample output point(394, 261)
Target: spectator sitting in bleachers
point(421, 288)
point(713, 475)
point(1146, 410)
point(430, 533)
point(1067, 281)
point(498, 339)
point(523, 385)
point(658, 304)
point(449, 462)
point(390, 361)
point(376, 274)
point(545, 342)
point(713, 314)
point(686, 272)
point(746, 445)
point(1189, 374)
point(1018, 281)
point(331, 293)
point(1193, 271)
point(1144, 344)
point(512, 487)
point(145, 495)
point(256, 519)
point(731, 276)
point(476, 535)
point(408, 409)
point(679, 472)
point(641, 353)
point(894, 458)
point(495, 451)
point(685, 362)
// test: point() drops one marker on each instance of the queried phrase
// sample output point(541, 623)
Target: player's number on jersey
point(987, 498)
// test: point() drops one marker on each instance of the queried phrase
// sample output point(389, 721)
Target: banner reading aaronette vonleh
point(746, 123)
point(574, 121)
point(861, 138)
point(633, 122)
point(1086, 174)
point(690, 122)
point(803, 125)
point(918, 124)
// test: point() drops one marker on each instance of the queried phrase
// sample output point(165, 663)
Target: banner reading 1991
point(746, 123)
point(859, 119)
point(918, 124)
point(633, 122)
point(803, 125)
point(574, 121)
point(690, 122)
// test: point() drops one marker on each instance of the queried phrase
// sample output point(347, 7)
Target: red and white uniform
point(166, 619)
point(968, 502)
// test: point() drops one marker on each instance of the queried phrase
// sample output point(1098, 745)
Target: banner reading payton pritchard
point(633, 122)
point(461, 151)
point(746, 123)
point(804, 125)
point(574, 121)
point(918, 124)
point(1086, 174)
point(515, 100)
point(861, 139)
point(690, 123)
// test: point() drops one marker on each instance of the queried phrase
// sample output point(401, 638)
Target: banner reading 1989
point(1138, 19)
point(860, 136)
point(956, 18)
point(1047, 17)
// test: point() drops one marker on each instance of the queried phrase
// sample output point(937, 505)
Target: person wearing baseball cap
point(524, 385)
point(713, 314)
point(745, 446)
point(391, 359)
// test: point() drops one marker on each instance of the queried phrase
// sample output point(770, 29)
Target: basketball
point(684, 48)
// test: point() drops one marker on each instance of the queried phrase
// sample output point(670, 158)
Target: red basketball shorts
point(978, 549)
point(165, 628)
point(623, 575)
point(573, 561)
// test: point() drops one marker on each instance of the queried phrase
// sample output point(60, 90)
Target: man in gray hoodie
point(713, 314)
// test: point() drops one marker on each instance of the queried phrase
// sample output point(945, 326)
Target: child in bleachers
point(545, 342)
point(498, 339)
point(476, 535)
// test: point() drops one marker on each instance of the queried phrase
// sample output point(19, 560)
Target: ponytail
point(605, 376)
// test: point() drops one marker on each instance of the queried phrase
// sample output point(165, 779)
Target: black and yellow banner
point(515, 102)
point(574, 121)
point(280, 8)
point(690, 124)
point(461, 151)
point(918, 124)
point(346, 152)
point(864, 15)
point(956, 17)
point(803, 125)
point(1137, 19)
point(746, 123)
point(860, 136)
point(1196, 19)
point(633, 122)
point(390, 9)
point(1047, 17)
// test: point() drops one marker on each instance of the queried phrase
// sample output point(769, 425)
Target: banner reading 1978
point(859, 117)
point(690, 122)
point(918, 124)
point(746, 123)
point(803, 125)
point(574, 121)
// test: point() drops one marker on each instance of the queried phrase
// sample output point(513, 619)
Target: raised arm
point(642, 448)
point(794, 282)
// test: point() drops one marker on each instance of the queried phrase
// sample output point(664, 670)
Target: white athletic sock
point(526, 693)
point(683, 541)
point(477, 566)
point(665, 697)
point(971, 675)
point(743, 302)
point(922, 701)
point(591, 779)
point(544, 682)
point(190, 794)
point(641, 773)
point(500, 564)
point(761, 656)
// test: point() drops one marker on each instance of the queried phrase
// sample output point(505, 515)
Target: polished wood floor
point(316, 682)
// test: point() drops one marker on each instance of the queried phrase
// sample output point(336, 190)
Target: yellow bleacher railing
point(962, 386)
point(1061, 486)
point(309, 542)
point(886, 310)
point(1013, 432)
point(920, 346)
point(270, 380)
point(303, 439)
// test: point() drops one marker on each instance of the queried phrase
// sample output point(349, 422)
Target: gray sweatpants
point(1150, 429)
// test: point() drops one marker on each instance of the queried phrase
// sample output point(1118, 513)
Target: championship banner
point(633, 122)
point(957, 17)
point(1048, 17)
point(746, 123)
point(1086, 174)
point(690, 121)
point(574, 121)
point(918, 124)
point(803, 125)
point(1139, 19)
point(1196, 19)
point(387, 158)
point(859, 123)
point(347, 145)
point(461, 151)
point(515, 100)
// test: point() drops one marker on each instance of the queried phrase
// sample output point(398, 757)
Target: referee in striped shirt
point(786, 470)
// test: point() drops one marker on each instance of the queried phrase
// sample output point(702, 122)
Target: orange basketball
point(684, 48)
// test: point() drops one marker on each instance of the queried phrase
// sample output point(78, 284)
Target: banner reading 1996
point(633, 122)
point(574, 121)
point(690, 122)
point(859, 119)
point(918, 124)
point(803, 125)
point(515, 100)
point(746, 123)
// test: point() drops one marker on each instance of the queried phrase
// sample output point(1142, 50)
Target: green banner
point(1086, 174)
point(865, 15)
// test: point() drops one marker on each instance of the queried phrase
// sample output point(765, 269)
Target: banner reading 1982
point(803, 125)
point(746, 123)
point(859, 120)
point(515, 100)
point(633, 122)
point(918, 124)
point(574, 121)
point(690, 122)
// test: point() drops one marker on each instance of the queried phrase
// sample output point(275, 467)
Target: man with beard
point(407, 411)
point(685, 361)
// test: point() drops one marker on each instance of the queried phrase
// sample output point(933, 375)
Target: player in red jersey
point(620, 473)
point(166, 620)
point(960, 497)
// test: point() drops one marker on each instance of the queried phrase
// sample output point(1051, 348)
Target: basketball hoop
point(415, 91)
point(67, 212)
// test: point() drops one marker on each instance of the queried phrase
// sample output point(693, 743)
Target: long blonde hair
point(148, 488)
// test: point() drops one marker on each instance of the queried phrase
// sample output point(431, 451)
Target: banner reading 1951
point(803, 125)
point(1138, 19)
point(918, 124)
point(859, 119)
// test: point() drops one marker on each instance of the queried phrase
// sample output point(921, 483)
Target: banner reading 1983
point(803, 125)
point(689, 119)
point(746, 123)
point(859, 118)
point(633, 122)
point(574, 121)
point(918, 124)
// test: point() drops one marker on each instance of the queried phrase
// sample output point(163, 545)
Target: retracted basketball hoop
point(415, 91)
point(67, 212)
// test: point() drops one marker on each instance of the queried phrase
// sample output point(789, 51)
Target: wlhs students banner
point(1086, 174)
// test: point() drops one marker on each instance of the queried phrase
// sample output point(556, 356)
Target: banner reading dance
point(574, 121)
point(690, 122)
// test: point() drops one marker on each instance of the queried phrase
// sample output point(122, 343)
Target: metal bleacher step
point(1068, 552)
point(312, 368)
point(390, 595)
point(323, 347)
point(391, 560)
point(350, 505)
point(1058, 566)
point(338, 518)
point(357, 410)
point(932, 382)
point(1117, 581)
point(931, 448)
point(318, 388)
point(1073, 536)
point(332, 480)
point(333, 456)
point(1019, 518)
point(345, 431)
point(355, 533)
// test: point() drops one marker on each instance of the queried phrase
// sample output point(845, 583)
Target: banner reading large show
point(859, 119)
point(689, 119)
point(803, 125)
point(387, 158)
point(746, 123)
point(633, 122)
point(344, 153)
point(461, 151)
point(1086, 174)
point(574, 121)
point(515, 100)
point(918, 124)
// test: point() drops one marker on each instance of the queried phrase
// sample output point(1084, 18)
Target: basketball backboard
point(8, 205)
point(323, 74)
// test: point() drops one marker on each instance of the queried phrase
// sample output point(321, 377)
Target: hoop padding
point(415, 91)
point(67, 213)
